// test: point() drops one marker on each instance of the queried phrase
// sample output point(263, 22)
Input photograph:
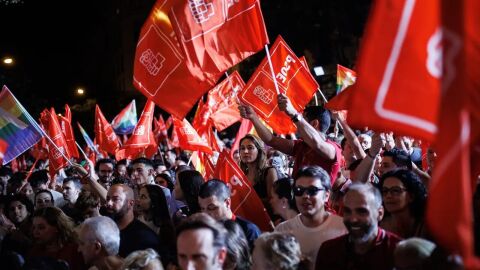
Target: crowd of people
point(345, 199)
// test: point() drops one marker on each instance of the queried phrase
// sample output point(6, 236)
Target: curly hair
point(281, 251)
point(415, 188)
point(56, 218)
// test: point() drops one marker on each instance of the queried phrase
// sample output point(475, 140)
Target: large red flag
point(216, 35)
point(188, 137)
point(449, 208)
point(66, 126)
point(142, 140)
point(3, 149)
point(105, 137)
point(159, 70)
point(245, 201)
point(293, 79)
point(398, 71)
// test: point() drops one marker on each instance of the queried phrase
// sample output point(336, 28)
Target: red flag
point(449, 208)
point(188, 137)
point(3, 149)
point(159, 70)
point(209, 168)
point(67, 130)
point(169, 122)
point(174, 141)
point(56, 159)
point(223, 101)
point(398, 73)
point(245, 201)
point(216, 35)
point(105, 137)
point(293, 79)
point(142, 139)
point(202, 114)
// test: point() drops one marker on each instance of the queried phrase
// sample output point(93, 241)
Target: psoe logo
point(200, 10)
point(140, 130)
point(265, 95)
point(58, 153)
point(152, 62)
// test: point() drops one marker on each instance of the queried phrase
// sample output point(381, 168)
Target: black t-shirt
point(137, 236)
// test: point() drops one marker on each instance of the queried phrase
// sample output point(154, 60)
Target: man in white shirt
point(314, 225)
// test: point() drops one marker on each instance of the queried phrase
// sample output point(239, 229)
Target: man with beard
point(366, 246)
point(314, 225)
point(104, 169)
point(134, 234)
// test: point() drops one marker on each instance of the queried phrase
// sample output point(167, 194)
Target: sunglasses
point(311, 191)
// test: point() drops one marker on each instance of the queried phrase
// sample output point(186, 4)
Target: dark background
point(59, 46)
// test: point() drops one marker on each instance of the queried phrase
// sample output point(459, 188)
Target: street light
point(80, 91)
point(8, 60)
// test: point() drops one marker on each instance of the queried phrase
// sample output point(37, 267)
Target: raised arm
point(282, 145)
point(351, 137)
point(311, 136)
point(91, 178)
point(366, 166)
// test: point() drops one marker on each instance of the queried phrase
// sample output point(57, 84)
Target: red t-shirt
point(338, 253)
point(304, 156)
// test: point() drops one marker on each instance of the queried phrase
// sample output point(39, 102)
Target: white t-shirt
point(311, 239)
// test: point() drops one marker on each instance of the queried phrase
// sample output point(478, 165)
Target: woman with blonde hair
point(253, 162)
point(278, 251)
point(54, 237)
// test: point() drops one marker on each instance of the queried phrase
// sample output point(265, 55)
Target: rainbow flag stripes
point(345, 78)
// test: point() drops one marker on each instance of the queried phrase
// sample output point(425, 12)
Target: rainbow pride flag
point(126, 120)
point(87, 139)
point(17, 127)
point(345, 78)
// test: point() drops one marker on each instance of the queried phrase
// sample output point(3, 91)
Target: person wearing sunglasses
point(314, 225)
point(404, 197)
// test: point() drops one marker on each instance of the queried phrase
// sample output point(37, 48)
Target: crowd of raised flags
point(417, 75)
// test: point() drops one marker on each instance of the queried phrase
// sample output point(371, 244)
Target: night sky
point(59, 46)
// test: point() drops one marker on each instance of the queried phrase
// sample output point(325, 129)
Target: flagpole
point(30, 118)
point(81, 150)
point(323, 96)
point(271, 70)
point(316, 99)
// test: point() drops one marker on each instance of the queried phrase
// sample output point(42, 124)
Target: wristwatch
point(296, 117)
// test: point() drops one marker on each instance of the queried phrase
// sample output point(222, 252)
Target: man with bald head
point(134, 234)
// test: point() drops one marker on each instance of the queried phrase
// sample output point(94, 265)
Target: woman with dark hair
point(154, 212)
point(404, 196)
point(238, 251)
point(253, 162)
point(186, 190)
point(54, 237)
point(43, 198)
point(19, 210)
point(164, 180)
point(282, 199)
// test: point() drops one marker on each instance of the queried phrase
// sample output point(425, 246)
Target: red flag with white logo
point(188, 137)
point(293, 79)
point(105, 137)
point(449, 208)
point(159, 69)
point(142, 141)
point(56, 159)
point(245, 201)
point(399, 69)
point(66, 126)
point(216, 35)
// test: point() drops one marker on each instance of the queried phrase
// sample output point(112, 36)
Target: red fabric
point(209, 168)
point(105, 137)
point(200, 119)
point(56, 159)
point(174, 141)
point(159, 69)
point(245, 201)
point(216, 35)
point(142, 141)
point(396, 89)
point(67, 130)
point(304, 156)
point(449, 207)
point(3, 149)
point(223, 101)
point(292, 78)
point(68, 113)
point(246, 127)
point(188, 137)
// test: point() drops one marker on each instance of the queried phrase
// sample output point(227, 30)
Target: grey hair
point(140, 259)
point(366, 189)
point(415, 248)
point(105, 231)
point(281, 250)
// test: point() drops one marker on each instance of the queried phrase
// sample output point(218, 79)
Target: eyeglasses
point(395, 191)
point(311, 191)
